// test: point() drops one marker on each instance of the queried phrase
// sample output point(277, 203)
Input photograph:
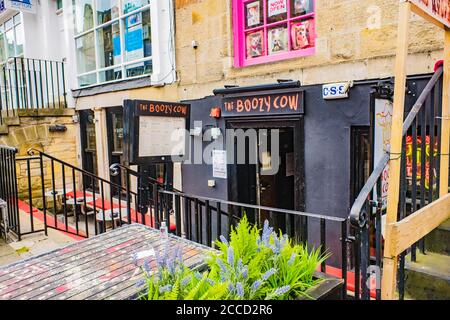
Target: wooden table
point(98, 268)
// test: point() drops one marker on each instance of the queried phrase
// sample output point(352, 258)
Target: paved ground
point(31, 245)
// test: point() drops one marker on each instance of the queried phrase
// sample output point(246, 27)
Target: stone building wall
point(356, 40)
point(33, 132)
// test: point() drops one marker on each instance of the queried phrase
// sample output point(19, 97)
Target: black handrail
point(257, 207)
point(357, 213)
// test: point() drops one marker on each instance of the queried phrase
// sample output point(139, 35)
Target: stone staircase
point(7, 122)
point(429, 277)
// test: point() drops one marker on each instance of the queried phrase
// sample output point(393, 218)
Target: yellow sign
point(439, 10)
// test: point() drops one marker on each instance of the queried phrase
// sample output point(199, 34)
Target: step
point(428, 278)
point(4, 129)
point(438, 241)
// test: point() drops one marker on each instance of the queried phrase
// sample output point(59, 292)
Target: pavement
point(33, 244)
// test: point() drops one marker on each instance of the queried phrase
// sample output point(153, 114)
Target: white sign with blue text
point(336, 90)
point(20, 5)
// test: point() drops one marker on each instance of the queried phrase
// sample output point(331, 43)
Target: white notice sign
point(161, 136)
point(277, 7)
point(219, 160)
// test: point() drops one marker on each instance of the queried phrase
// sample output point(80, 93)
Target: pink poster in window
point(302, 35)
point(277, 7)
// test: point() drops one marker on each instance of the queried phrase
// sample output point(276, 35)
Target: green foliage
point(253, 265)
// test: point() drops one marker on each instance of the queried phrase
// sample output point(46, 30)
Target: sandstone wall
point(356, 41)
point(33, 132)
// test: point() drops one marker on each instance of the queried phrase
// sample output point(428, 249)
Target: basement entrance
point(268, 170)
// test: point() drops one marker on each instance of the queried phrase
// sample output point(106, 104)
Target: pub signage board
point(439, 10)
point(274, 102)
point(155, 131)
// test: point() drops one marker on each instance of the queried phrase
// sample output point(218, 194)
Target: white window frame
point(3, 31)
point(123, 65)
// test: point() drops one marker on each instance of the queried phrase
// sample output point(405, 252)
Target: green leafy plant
point(253, 265)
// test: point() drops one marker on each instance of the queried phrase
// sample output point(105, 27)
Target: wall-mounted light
point(57, 128)
point(216, 113)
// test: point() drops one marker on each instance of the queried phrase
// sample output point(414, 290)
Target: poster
point(253, 13)
point(428, 152)
point(301, 7)
point(278, 40)
point(276, 7)
point(255, 44)
point(134, 38)
point(300, 35)
point(438, 9)
point(382, 135)
point(219, 161)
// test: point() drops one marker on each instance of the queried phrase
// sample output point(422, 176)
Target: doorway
point(361, 159)
point(270, 172)
point(89, 147)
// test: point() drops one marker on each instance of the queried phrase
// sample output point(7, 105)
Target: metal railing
point(8, 190)
point(204, 220)
point(31, 84)
point(419, 186)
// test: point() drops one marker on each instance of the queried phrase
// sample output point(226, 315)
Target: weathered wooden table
point(98, 268)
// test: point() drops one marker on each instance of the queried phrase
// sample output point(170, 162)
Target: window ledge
point(126, 84)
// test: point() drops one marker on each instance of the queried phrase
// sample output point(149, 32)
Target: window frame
point(123, 64)
point(239, 38)
point(13, 28)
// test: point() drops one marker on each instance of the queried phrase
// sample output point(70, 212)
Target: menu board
point(161, 136)
point(155, 131)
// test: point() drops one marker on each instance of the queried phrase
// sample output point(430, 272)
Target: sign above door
point(274, 102)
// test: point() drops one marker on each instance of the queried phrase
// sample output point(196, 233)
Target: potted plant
point(252, 265)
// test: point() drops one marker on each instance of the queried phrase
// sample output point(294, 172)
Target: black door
point(89, 147)
point(276, 178)
point(114, 118)
point(360, 160)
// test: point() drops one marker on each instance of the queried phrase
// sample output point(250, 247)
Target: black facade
point(325, 151)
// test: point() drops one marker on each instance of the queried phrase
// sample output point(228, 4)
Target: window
point(272, 30)
point(113, 40)
point(59, 5)
point(11, 38)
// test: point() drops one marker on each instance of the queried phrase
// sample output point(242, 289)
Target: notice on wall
point(277, 7)
point(161, 136)
point(219, 162)
point(382, 144)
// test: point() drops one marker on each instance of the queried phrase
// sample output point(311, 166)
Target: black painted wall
point(327, 153)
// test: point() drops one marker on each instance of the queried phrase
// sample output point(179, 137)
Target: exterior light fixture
point(216, 113)
point(57, 128)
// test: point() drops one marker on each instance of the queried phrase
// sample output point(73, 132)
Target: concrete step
point(4, 129)
point(438, 241)
point(428, 278)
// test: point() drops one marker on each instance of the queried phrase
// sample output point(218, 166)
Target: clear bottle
point(163, 231)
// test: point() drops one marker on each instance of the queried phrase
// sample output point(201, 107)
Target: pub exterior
point(285, 105)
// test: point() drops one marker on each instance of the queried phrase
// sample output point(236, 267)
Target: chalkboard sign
point(155, 131)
